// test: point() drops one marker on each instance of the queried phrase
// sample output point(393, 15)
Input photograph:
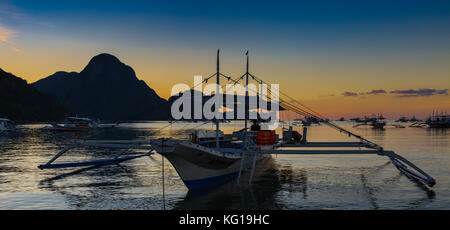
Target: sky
point(341, 58)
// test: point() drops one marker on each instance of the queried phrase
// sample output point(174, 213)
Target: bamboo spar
point(107, 144)
point(217, 99)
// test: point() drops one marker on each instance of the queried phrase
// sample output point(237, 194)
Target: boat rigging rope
point(192, 88)
point(298, 107)
point(306, 111)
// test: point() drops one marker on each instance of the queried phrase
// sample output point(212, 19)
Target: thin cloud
point(10, 11)
point(16, 50)
point(13, 13)
point(401, 93)
point(5, 35)
point(375, 92)
point(328, 95)
point(419, 92)
point(6, 39)
point(349, 94)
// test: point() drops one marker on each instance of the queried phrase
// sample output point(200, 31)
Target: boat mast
point(217, 99)
point(246, 94)
point(246, 101)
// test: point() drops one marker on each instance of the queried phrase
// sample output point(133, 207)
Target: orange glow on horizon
point(318, 87)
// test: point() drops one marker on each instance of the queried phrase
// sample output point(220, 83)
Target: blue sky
point(304, 24)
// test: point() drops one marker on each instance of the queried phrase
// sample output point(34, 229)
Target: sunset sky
point(342, 58)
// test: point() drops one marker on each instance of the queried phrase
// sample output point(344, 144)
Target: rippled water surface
point(282, 182)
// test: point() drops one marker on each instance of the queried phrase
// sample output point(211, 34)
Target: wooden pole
point(217, 99)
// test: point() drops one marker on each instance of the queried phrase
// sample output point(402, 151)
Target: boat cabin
point(79, 121)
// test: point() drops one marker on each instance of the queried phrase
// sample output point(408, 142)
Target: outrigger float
point(210, 158)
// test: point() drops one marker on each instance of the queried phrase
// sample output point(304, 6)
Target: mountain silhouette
point(107, 89)
point(20, 101)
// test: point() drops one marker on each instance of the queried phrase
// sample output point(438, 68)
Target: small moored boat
point(439, 121)
point(75, 124)
point(6, 125)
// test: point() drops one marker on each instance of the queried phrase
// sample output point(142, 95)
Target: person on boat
point(255, 126)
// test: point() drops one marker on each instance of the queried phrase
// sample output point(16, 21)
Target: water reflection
point(101, 187)
point(280, 183)
point(372, 191)
point(269, 180)
point(437, 131)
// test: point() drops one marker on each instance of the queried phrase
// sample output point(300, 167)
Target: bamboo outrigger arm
point(396, 159)
point(137, 145)
point(400, 162)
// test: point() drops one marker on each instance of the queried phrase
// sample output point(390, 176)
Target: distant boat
point(439, 121)
point(402, 119)
point(375, 122)
point(75, 124)
point(356, 119)
point(414, 119)
point(378, 123)
point(342, 119)
point(308, 121)
point(6, 125)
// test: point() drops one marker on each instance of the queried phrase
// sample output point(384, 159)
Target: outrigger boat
point(437, 120)
point(356, 119)
point(441, 120)
point(311, 120)
point(377, 123)
point(209, 158)
point(6, 125)
point(402, 119)
point(78, 124)
point(75, 124)
point(414, 119)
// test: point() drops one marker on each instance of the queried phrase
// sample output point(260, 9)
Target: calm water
point(283, 182)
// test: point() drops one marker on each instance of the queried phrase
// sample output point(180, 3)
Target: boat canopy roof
point(207, 133)
point(78, 119)
point(5, 119)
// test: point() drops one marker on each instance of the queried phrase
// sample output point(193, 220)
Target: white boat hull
point(200, 167)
